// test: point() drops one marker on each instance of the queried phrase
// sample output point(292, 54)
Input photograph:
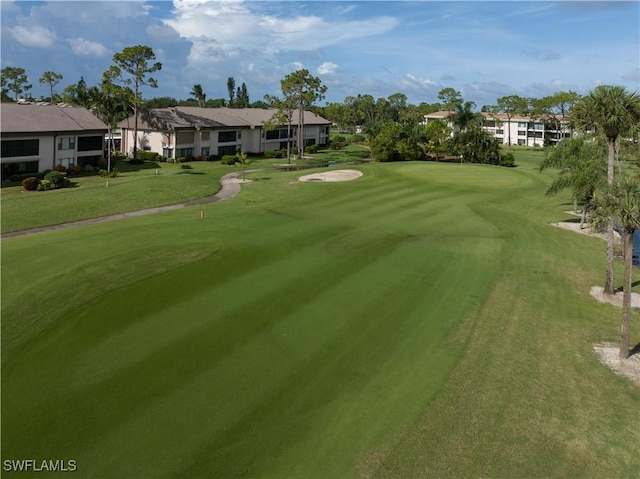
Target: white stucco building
point(39, 137)
point(191, 131)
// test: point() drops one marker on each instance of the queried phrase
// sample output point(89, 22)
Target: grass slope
point(423, 320)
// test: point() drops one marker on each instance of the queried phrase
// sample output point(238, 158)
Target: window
point(499, 131)
point(167, 152)
point(204, 151)
point(490, 123)
point(273, 135)
point(205, 135)
point(90, 143)
point(226, 137)
point(90, 160)
point(521, 141)
point(227, 150)
point(522, 133)
point(20, 148)
point(184, 152)
point(239, 134)
point(66, 143)
point(23, 167)
point(522, 124)
point(184, 137)
point(66, 162)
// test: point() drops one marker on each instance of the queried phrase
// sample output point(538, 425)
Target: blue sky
point(482, 49)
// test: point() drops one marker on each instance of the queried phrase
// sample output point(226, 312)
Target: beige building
point(39, 137)
point(183, 131)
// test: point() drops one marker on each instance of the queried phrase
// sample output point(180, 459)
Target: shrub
point(109, 174)
point(312, 148)
point(180, 159)
point(146, 155)
point(44, 185)
point(507, 159)
point(229, 160)
point(30, 183)
point(201, 158)
point(60, 169)
point(213, 158)
point(359, 138)
point(89, 169)
point(190, 158)
point(76, 169)
point(58, 179)
point(267, 154)
point(186, 166)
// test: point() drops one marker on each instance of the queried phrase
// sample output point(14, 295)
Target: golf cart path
point(230, 187)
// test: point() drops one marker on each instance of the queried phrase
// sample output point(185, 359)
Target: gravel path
point(230, 188)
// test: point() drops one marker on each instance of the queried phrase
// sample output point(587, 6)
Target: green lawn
point(137, 187)
point(424, 320)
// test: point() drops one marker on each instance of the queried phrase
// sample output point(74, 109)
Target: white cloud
point(80, 46)
point(8, 6)
point(327, 68)
point(223, 29)
point(35, 36)
point(411, 80)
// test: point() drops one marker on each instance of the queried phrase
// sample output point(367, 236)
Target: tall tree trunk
point(626, 294)
point(608, 283)
point(583, 216)
point(289, 139)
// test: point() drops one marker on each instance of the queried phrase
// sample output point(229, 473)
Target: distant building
point(192, 131)
point(523, 130)
point(39, 137)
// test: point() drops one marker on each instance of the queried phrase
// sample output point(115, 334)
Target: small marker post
point(201, 214)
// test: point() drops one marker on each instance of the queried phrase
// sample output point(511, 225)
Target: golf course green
point(423, 320)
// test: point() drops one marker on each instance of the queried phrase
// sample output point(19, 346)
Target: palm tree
point(621, 202)
point(199, 94)
point(464, 115)
point(611, 110)
point(583, 170)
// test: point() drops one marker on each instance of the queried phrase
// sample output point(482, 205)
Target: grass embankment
point(421, 321)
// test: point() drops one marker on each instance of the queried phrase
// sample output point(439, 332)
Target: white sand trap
point(336, 175)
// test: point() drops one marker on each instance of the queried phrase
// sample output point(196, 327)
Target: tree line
point(601, 169)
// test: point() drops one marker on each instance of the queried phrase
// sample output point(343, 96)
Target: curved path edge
point(229, 188)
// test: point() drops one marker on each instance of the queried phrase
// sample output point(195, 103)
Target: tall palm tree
point(464, 115)
point(621, 201)
point(583, 170)
point(199, 94)
point(613, 111)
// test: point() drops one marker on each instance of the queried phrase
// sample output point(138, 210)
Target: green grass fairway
point(424, 320)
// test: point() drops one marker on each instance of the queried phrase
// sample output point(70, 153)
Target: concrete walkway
point(230, 188)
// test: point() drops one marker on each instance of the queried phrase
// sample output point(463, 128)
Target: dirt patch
point(575, 227)
point(629, 368)
point(332, 176)
point(597, 292)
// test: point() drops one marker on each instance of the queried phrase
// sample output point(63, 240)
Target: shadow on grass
point(188, 172)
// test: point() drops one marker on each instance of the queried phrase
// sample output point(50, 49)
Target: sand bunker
point(336, 175)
